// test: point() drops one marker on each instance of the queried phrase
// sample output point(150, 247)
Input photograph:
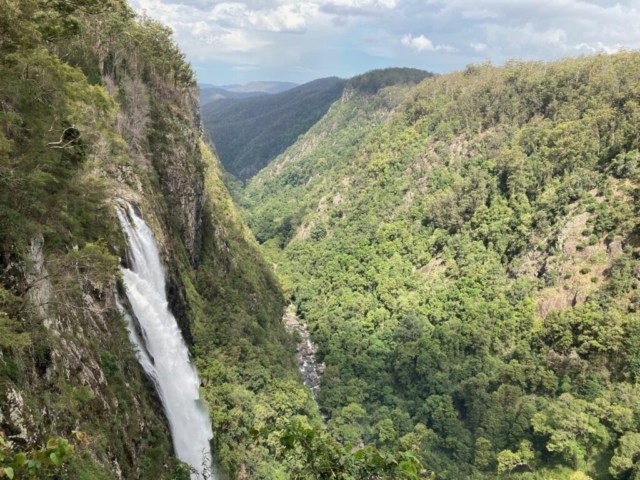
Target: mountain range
point(210, 93)
point(249, 133)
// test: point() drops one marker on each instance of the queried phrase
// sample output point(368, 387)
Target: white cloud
point(362, 4)
point(422, 43)
point(599, 47)
point(343, 37)
point(285, 18)
point(526, 35)
point(234, 41)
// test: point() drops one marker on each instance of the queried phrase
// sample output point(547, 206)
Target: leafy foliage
point(46, 462)
point(324, 458)
point(436, 255)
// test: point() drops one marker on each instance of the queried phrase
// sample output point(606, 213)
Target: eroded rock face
point(185, 189)
point(16, 419)
point(37, 279)
point(305, 352)
point(178, 160)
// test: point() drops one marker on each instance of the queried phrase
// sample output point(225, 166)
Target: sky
point(298, 41)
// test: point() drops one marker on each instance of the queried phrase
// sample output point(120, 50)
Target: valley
point(398, 274)
point(464, 253)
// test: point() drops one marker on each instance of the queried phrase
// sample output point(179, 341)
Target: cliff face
point(175, 147)
point(92, 119)
point(66, 362)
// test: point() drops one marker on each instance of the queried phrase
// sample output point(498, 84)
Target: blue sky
point(297, 41)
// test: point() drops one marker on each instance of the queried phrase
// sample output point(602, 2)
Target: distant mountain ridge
point(224, 87)
point(263, 86)
point(211, 93)
point(257, 86)
point(250, 132)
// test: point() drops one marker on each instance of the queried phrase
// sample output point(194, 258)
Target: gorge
point(458, 255)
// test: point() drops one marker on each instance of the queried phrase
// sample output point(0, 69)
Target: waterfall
point(162, 351)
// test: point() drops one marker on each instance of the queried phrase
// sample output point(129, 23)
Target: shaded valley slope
point(249, 133)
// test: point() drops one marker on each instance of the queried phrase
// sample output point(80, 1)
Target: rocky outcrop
point(15, 418)
point(37, 280)
point(306, 351)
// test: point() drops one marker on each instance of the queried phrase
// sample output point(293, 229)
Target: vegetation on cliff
point(468, 266)
point(65, 358)
point(97, 103)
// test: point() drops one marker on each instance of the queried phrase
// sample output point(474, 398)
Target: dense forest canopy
point(466, 254)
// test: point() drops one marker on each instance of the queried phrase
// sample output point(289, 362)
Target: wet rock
point(305, 352)
point(178, 303)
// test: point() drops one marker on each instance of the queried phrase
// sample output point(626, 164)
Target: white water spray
point(162, 352)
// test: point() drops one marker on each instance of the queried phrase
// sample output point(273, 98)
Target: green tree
point(571, 428)
point(626, 461)
point(525, 456)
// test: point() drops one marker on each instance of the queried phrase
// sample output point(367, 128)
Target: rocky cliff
point(105, 110)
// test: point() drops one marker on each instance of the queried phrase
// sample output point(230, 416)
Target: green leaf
point(68, 450)
point(409, 468)
point(8, 471)
point(55, 458)
point(20, 459)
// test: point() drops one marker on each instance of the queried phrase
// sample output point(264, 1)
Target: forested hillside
point(249, 133)
point(466, 255)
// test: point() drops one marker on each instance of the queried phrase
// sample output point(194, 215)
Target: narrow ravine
point(163, 353)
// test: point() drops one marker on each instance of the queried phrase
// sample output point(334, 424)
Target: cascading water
point(162, 352)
